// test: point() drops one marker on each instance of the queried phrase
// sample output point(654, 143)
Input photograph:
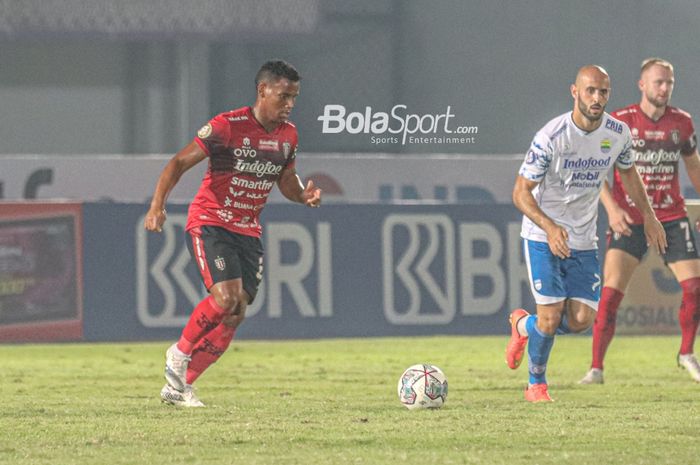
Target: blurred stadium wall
point(140, 76)
point(86, 85)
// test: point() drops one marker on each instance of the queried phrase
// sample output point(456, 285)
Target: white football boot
point(176, 367)
point(594, 376)
point(690, 363)
point(172, 396)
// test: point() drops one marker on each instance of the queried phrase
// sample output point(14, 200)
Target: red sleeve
point(214, 135)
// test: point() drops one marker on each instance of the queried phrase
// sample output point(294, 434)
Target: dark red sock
point(689, 314)
point(604, 326)
point(209, 350)
point(205, 317)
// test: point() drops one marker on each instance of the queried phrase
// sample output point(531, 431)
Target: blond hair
point(649, 62)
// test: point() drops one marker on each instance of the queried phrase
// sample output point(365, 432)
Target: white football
point(422, 386)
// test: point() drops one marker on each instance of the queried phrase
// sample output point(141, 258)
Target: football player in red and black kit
point(662, 135)
point(249, 150)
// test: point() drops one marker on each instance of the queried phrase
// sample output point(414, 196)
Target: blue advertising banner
point(337, 271)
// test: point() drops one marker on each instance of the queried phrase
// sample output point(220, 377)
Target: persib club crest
point(676, 136)
point(220, 263)
point(286, 149)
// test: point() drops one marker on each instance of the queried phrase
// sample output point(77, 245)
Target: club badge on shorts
point(220, 263)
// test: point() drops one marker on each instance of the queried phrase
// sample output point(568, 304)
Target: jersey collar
point(249, 110)
point(666, 110)
point(581, 131)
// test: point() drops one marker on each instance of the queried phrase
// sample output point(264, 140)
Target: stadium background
point(95, 97)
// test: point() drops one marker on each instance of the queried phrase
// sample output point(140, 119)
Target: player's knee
point(228, 299)
point(548, 324)
point(581, 322)
point(237, 313)
point(225, 300)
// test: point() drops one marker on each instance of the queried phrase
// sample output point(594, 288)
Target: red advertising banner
point(40, 272)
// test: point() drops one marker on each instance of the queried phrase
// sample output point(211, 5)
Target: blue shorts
point(553, 279)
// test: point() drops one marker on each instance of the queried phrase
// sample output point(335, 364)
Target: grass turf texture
point(335, 402)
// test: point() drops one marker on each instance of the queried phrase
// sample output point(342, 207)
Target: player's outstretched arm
point(183, 160)
point(653, 230)
point(618, 218)
point(292, 188)
point(557, 237)
point(692, 166)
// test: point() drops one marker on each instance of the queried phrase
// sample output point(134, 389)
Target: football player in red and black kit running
point(249, 150)
point(662, 135)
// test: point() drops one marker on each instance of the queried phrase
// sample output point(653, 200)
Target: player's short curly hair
point(274, 70)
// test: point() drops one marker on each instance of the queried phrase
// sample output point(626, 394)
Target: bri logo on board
point(613, 126)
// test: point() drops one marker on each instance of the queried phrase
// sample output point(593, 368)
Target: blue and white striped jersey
point(570, 166)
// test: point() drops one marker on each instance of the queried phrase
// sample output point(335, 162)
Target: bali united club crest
point(246, 142)
point(286, 149)
point(676, 136)
point(220, 263)
point(204, 131)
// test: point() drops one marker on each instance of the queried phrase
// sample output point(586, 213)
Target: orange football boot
point(537, 393)
point(516, 346)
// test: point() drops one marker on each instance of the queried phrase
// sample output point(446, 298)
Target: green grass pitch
point(335, 402)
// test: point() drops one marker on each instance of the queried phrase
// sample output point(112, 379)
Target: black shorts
point(222, 255)
point(680, 238)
